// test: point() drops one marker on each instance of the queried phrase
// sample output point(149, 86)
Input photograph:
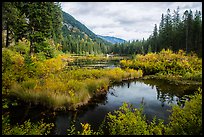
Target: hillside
point(112, 40)
point(73, 27)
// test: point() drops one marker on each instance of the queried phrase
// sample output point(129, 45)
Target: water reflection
point(155, 96)
point(163, 96)
point(96, 64)
point(171, 93)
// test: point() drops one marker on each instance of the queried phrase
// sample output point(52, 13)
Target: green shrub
point(130, 121)
point(13, 67)
point(197, 76)
point(165, 62)
point(46, 48)
point(27, 128)
point(22, 47)
point(127, 120)
point(41, 56)
point(187, 120)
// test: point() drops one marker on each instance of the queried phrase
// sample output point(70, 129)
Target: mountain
point(73, 27)
point(112, 40)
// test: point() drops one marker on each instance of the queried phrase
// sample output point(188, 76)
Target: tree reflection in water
point(166, 91)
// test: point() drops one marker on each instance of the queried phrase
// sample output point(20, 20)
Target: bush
point(197, 76)
point(22, 47)
point(187, 120)
point(165, 62)
point(130, 121)
point(27, 128)
point(41, 56)
point(127, 120)
point(13, 67)
point(46, 48)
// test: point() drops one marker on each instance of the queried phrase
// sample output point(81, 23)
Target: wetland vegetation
point(61, 81)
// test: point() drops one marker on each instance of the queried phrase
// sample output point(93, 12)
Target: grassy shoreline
point(50, 83)
point(178, 68)
point(173, 79)
point(71, 89)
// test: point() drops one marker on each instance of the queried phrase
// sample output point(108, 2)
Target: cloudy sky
point(126, 20)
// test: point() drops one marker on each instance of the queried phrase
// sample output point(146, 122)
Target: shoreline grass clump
point(70, 90)
point(48, 83)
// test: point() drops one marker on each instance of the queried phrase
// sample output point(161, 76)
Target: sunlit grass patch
point(48, 83)
point(167, 62)
point(96, 85)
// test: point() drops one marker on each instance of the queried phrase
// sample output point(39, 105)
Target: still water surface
point(156, 97)
point(94, 64)
point(155, 103)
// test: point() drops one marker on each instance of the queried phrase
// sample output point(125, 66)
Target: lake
point(94, 64)
point(156, 97)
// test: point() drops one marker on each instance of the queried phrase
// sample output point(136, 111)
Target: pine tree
point(10, 21)
point(57, 19)
point(161, 34)
point(39, 19)
point(176, 29)
point(197, 31)
point(154, 39)
point(168, 30)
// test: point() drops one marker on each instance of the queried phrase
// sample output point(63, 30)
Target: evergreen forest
point(44, 51)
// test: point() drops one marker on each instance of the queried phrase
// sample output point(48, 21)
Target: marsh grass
point(48, 83)
point(95, 86)
point(70, 89)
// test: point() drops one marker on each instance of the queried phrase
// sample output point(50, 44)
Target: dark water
point(156, 97)
point(96, 64)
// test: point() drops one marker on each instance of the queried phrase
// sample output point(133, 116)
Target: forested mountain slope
point(76, 33)
point(112, 40)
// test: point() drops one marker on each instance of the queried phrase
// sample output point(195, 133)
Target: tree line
point(34, 21)
point(80, 40)
point(175, 32)
point(38, 21)
point(83, 45)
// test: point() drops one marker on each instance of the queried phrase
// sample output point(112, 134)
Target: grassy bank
point(168, 65)
point(48, 82)
point(44, 79)
point(70, 89)
point(127, 120)
point(175, 79)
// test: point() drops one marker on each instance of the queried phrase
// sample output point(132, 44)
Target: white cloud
point(127, 20)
